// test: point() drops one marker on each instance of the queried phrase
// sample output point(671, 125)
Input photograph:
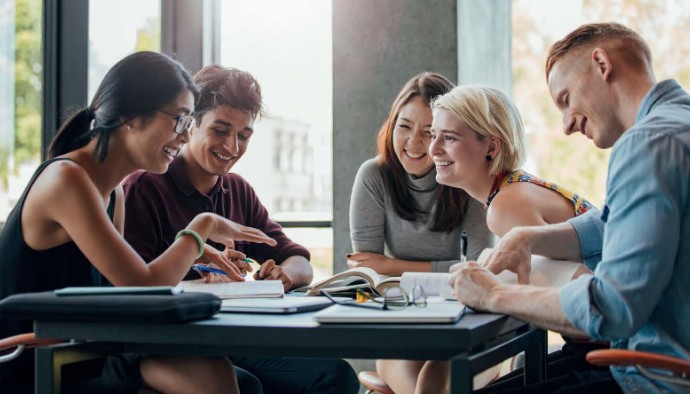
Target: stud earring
point(488, 158)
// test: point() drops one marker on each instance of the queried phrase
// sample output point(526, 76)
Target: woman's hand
point(226, 231)
point(217, 259)
point(378, 262)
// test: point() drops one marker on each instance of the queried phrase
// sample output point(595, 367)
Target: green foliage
point(28, 85)
point(149, 36)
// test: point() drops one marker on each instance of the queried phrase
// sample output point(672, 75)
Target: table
point(474, 343)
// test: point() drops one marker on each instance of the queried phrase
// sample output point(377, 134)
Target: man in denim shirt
point(600, 77)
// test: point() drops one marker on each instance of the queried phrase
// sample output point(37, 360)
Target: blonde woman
point(478, 145)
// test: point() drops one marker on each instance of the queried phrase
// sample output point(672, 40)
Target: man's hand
point(472, 284)
point(271, 271)
point(513, 253)
point(378, 262)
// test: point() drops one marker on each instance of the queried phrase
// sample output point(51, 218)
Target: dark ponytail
point(73, 134)
point(136, 86)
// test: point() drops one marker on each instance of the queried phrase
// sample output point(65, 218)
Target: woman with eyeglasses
point(66, 229)
point(401, 219)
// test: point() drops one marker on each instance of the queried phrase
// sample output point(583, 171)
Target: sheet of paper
point(433, 283)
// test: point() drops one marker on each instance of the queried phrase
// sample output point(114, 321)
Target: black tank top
point(23, 269)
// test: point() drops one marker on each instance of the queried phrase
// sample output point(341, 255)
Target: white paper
point(433, 283)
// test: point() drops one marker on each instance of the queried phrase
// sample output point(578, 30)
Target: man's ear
point(602, 63)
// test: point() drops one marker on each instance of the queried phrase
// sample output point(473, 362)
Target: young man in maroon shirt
point(198, 180)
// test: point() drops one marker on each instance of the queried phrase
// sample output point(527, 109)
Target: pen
point(206, 268)
point(247, 260)
point(463, 247)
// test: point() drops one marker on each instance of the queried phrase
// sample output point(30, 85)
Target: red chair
point(373, 383)
point(678, 369)
point(20, 343)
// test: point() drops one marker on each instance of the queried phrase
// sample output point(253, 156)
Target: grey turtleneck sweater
point(375, 227)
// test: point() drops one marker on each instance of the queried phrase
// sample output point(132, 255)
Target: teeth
point(443, 163)
point(222, 157)
point(170, 151)
point(415, 155)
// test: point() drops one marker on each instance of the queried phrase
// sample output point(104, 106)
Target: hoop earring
point(489, 158)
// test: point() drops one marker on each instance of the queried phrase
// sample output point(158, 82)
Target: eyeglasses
point(394, 298)
point(182, 122)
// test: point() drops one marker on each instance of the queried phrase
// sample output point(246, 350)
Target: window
point(573, 161)
point(118, 28)
point(20, 97)
point(287, 47)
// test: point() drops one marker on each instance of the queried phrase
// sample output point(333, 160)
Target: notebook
point(435, 312)
point(248, 289)
point(275, 305)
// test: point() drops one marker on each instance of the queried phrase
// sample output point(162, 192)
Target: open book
point(248, 289)
point(545, 272)
point(352, 279)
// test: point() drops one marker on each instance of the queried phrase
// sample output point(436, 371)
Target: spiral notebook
point(248, 289)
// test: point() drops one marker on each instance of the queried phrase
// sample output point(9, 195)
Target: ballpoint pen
point(463, 247)
point(206, 268)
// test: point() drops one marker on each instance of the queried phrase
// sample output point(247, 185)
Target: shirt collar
point(659, 93)
point(179, 178)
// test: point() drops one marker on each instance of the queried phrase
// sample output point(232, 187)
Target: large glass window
point(573, 161)
point(287, 46)
point(20, 97)
point(118, 28)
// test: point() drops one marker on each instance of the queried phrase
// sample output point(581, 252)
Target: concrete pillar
point(377, 46)
point(485, 43)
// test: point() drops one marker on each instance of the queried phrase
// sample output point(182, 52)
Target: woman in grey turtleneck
point(400, 218)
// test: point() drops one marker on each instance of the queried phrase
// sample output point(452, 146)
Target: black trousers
point(289, 375)
point(567, 371)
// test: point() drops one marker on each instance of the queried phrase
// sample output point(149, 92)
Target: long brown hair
point(450, 202)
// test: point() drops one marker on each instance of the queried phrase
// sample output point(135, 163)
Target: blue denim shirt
point(638, 246)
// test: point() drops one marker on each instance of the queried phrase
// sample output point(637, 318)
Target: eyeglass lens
point(184, 123)
point(395, 298)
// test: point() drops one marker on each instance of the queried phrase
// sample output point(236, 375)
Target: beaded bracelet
point(196, 236)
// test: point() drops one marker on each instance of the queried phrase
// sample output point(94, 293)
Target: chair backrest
point(12, 347)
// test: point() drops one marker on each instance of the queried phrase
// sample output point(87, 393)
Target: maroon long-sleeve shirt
point(157, 206)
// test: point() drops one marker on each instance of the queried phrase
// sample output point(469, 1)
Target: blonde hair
point(489, 113)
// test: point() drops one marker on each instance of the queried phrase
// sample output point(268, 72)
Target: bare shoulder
point(515, 205)
point(59, 179)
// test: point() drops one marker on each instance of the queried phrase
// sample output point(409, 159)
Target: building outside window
point(287, 46)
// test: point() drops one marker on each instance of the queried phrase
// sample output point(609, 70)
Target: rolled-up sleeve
point(590, 232)
point(647, 187)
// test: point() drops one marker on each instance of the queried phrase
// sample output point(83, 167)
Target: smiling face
point(459, 156)
point(220, 140)
point(580, 90)
point(411, 137)
point(155, 144)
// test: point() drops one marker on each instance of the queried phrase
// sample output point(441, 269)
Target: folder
point(294, 304)
point(435, 312)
